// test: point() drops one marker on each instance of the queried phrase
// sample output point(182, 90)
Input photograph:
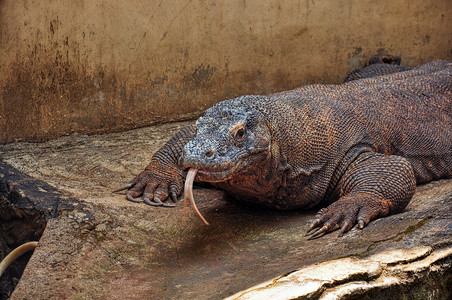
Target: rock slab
point(97, 245)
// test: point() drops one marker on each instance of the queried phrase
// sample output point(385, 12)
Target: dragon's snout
point(201, 155)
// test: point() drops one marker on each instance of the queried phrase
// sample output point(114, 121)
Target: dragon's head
point(229, 140)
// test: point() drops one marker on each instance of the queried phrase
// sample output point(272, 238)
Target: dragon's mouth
point(217, 175)
point(221, 172)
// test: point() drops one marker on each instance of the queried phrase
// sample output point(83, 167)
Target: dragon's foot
point(346, 213)
point(155, 188)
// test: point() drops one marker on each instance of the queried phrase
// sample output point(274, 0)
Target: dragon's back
point(407, 113)
point(410, 114)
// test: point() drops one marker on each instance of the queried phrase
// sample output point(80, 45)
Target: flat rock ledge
point(382, 275)
point(97, 245)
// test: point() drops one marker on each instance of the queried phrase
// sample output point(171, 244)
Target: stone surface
point(360, 277)
point(95, 66)
point(124, 250)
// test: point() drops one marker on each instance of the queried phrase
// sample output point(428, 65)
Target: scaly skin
point(377, 65)
point(374, 70)
point(359, 147)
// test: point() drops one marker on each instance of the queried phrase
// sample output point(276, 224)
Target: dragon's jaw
point(207, 175)
point(227, 170)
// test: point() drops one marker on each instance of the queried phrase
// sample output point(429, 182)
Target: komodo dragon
point(357, 148)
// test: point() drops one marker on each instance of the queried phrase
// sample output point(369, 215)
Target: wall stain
point(201, 77)
point(301, 32)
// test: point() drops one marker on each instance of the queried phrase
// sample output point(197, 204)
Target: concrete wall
point(93, 66)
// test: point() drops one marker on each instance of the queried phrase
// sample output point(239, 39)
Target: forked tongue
point(188, 193)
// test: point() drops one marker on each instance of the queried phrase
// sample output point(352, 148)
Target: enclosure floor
point(130, 250)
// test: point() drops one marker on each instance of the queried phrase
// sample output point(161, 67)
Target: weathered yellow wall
point(100, 66)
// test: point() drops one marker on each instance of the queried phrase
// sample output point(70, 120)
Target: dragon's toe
point(130, 198)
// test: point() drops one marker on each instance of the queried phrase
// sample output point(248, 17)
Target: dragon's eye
point(240, 134)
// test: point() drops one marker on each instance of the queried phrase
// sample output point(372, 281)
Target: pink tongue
point(188, 193)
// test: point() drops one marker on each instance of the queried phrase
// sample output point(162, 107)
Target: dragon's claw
point(130, 198)
point(346, 226)
point(314, 224)
point(152, 203)
point(173, 196)
point(126, 187)
point(319, 233)
point(156, 202)
point(361, 224)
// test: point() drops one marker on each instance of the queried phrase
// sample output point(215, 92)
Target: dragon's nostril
point(209, 153)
